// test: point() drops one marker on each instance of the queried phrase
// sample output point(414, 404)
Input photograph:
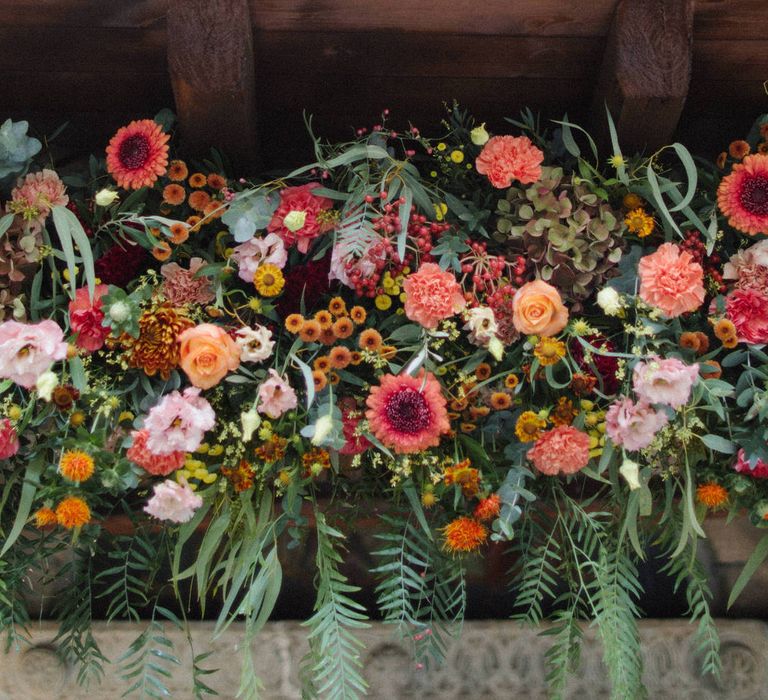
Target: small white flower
point(496, 348)
point(323, 428)
point(479, 135)
point(294, 220)
point(609, 300)
point(119, 312)
point(631, 472)
point(106, 197)
point(481, 325)
point(250, 420)
point(45, 385)
point(255, 344)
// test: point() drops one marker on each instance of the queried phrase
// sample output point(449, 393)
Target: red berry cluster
point(695, 245)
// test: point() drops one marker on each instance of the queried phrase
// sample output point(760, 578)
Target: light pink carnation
point(183, 286)
point(759, 471)
point(666, 381)
point(9, 439)
point(36, 194)
point(562, 450)
point(432, 294)
point(300, 201)
point(155, 464)
point(276, 396)
point(748, 309)
point(259, 251)
point(85, 318)
point(749, 267)
point(507, 158)
point(28, 350)
point(178, 422)
point(173, 501)
point(671, 280)
point(632, 425)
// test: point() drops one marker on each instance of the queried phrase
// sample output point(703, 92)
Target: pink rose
point(298, 218)
point(631, 425)
point(27, 350)
point(9, 440)
point(562, 450)
point(759, 471)
point(431, 295)
point(85, 318)
point(671, 280)
point(664, 381)
point(276, 396)
point(507, 158)
point(748, 310)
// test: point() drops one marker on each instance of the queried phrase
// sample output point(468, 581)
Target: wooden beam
point(646, 71)
point(210, 61)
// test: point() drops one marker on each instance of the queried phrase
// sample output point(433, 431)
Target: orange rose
point(207, 354)
point(538, 309)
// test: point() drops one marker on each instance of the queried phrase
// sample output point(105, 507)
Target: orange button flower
point(538, 309)
point(207, 353)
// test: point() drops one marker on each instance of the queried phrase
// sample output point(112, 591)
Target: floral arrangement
point(501, 340)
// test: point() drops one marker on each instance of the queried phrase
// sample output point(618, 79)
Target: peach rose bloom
point(537, 309)
point(207, 354)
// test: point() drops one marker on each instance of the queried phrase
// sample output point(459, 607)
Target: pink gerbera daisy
point(407, 413)
point(138, 154)
point(743, 195)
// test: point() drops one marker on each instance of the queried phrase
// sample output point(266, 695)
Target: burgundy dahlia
point(606, 366)
point(121, 264)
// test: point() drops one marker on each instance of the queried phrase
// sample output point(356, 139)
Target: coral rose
point(537, 309)
point(432, 294)
point(671, 280)
point(507, 158)
point(206, 354)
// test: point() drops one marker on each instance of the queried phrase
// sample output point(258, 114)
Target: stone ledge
point(492, 659)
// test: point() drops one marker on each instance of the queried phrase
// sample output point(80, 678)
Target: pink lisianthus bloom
point(562, 450)
point(748, 310)
point(671, 280)
point(178, 422)
point(183, 286)
point(631, 425)
point(27, 350)
point(508, 158)
point(155, 464)
point(85, 318)
point(9, 439)
point(666, 381)
point(299, 217)
point(759, 471)
point(250, 255)
point(431, 295)
point(276, 396)
point(35, 195)
point(173, 501)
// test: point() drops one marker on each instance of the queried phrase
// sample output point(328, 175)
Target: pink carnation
point(748, 309)
point(178, 422)
point(36, 194)
point(507, 158)
point(85, 318)
point(671, 280)
point(185, 286)
point(749, 267)
point(432, 294)
point(259, 251)
point(632, 425)
point(155, 464)
point(298, 217)
point(173, 501)
point(9, 439)
point(664, 381)
point(28, 350)
point(276, 396)
point(759, 471)
point(562, 450)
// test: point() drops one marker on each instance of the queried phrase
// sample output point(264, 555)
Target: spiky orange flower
point(488, 508)
point(73, 512)
point(464, 535)
point(76, 465)
point(45, 517)
point(156, 350)
point(241, 476)
point(464, 476)
point(138, 154)
point(712, 495)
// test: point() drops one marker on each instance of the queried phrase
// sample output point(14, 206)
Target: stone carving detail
point(491, 660)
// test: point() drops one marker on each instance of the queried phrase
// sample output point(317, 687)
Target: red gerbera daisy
point(138, 154)
point(743, 195)
point(407, 413)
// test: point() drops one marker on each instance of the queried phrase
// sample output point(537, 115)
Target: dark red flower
point(606, 366)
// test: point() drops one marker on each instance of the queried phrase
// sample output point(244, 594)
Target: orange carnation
point(537, 309)
point(206, 354)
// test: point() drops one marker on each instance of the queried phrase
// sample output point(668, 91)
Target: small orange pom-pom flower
point(76, 465)
point(464, 535)
point(712, 495)
point(294, 323)
point(73, 512)
point(488, 508)
point(370, 339)
point(45, 517)
point(343, 328)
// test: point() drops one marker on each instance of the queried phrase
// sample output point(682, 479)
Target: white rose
point(609, 300)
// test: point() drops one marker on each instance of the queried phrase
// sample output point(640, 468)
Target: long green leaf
point(757, 557)
point(28, 491)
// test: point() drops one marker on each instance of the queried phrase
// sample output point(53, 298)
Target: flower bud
point(479, 135)
point(106, 197)
point(631, 472)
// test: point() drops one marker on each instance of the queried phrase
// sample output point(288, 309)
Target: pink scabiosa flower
point(631, 425)
point(182, 286)
point(431, 295)
point(743, 195)
point(35, 195)
point(742, 465)
point(562, 450)
point(252, 254)
point(178, 422)
point(138, 154)
point(85, 318)
point(9, 439)
point(508, 158)
point(666, 381)
point(407, 413)
point(301, 216)
point(748, 310)
point(671, 280)
point(276, 396)
point(155, 464)
point(173, 501)
point(27, 350)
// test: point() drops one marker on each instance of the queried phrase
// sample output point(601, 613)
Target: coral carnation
point(671, 280)
point(562, 450)
point(431, 295)
point(35, 195)
point(464, 535)
point(742, 465)
point(748, 310)
point(155, 464)
point(407, 413)
point(743, 195)
point(183, 286)
point(507, 158)
point(488, 508)
point(138, 154)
